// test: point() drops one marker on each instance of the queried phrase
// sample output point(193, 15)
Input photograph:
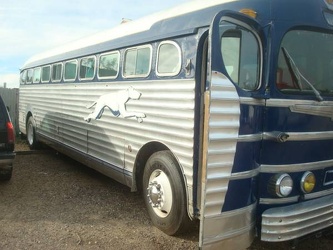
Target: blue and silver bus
point(217, 111)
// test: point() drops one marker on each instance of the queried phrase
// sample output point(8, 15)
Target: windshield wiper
point(297, 75)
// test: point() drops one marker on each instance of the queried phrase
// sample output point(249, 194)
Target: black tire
point(6, 175)
point(31, 134)
point(162, 179)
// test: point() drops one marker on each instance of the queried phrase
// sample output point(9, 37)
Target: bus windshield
point(312, 53)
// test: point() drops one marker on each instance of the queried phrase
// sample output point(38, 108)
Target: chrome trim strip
point(292, 168)
point(252, 101)
point(270, 201)
point(286, 103)
point(318, 194)
point(282, 103)
point(318, 109)
point(305, 136)
point(293, 136)
point(245, 174)
point(250, 138)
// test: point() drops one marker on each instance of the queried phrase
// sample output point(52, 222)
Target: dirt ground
point(53, 202)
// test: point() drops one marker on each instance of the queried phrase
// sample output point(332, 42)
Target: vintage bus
point(217, 111)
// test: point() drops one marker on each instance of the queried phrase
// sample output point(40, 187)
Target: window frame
point(23, 77)
point(79, 68)
point(320, 79)
point(41, 77)
point(27, 76)
point(158, 56)
point(118, 68)
point(150, 61)
point(254, 33)
point(76, 70)
point(61, 72)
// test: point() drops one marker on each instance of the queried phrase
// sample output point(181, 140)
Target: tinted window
point(137, 62)
point(108, 65)
point(46, 73)
point(56, 72)
point(70, 70)
point(87, 68)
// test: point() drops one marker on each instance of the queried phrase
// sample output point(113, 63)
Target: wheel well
point(27, 118)
point(29, 114)
point(142, 157)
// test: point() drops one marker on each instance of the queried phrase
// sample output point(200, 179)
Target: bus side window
point(36, 76)
point(168, 59)
point(23, 77)
point(241, 57)
point(108, 65)
point(56, 72)
point(87, 68)
point(70, 70)
point(46, 74)
point(29, 76)
point(137, 62)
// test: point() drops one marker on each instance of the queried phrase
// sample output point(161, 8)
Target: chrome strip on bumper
point(290, 222)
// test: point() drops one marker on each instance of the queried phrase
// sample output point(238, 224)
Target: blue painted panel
point(241, 193)
point(250, 119)
point(247, 156)
point(282, 119)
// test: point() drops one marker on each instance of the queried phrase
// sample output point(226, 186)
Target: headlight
point(308, 182)
point(280, 185)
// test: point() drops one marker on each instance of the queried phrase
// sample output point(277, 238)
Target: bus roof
point(127, 29)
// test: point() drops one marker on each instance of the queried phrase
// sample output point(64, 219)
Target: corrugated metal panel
point(222, 112)
point(222, 140)
point(60, 109)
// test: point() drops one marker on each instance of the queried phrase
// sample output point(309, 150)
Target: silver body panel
point(59, 111)
point(232, 229)
point(290, 222)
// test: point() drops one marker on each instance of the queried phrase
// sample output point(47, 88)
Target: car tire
point(31, 134)
point(164, 193)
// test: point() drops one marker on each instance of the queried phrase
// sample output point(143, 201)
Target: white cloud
point(31, 27)
point(11, 80)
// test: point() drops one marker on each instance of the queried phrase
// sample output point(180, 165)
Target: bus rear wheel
point(31, 133)
point(164, 193)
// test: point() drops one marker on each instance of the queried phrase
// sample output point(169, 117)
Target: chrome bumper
point(290, 222)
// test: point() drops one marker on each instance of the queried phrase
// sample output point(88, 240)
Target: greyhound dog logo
point(116, 102)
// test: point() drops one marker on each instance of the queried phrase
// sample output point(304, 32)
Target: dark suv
point(7, 141)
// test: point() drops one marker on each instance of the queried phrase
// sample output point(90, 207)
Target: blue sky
point(31, 27)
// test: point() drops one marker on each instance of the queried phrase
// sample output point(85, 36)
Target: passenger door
point(234, 84)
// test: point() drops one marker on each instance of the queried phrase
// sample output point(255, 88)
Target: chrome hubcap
point(155, 194)
point(159, 193)
point(30, 134)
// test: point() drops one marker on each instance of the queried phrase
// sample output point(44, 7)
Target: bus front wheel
point(31, 133)
point(164, 193)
